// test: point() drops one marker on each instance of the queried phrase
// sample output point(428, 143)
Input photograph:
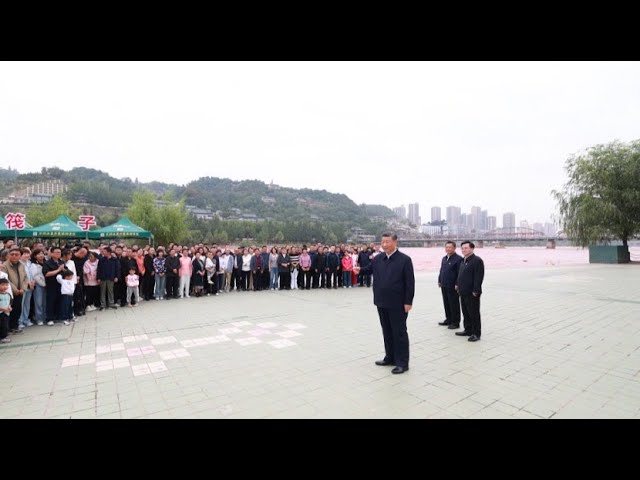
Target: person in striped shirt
point(294, 257)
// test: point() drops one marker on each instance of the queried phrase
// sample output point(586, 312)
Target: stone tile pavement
point(558, 342)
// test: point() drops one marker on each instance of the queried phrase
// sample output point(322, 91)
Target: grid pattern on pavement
point(559, 342)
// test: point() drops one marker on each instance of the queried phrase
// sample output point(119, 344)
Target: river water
point(428, 259)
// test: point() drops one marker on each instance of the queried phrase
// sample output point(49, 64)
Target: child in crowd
point(5, 309)
point(66, 279)
point(133, 281)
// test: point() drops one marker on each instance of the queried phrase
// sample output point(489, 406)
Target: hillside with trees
point(243, 209)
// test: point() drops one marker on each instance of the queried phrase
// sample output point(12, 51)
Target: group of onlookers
point(52, 285)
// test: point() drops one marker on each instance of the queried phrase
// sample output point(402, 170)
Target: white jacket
point(36, 274)
point(210, 267)
point(72, 266)
point(67, 285)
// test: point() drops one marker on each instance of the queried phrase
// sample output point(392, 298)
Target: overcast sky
point(495, 135)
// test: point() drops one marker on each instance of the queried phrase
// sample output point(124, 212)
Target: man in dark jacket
point(364, 259)
point(108, 274)
point(79, 258)
point(393, 290)
point(284, 263)
point(339, 253)
point(120, 287)
point(447, 283)
point(318, 268)
point(237, 269)
point(469, 287)
point(264, 273)
point(148, 279)
point(255, 267)
point(52, 267)
point(172, 265)
point(313, 254)
point(332, 267)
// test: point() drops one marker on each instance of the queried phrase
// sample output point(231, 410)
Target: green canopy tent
point(15, 234)
point(123, 228)
point(61, 227)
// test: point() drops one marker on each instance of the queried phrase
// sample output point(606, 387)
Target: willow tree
point(601, 200)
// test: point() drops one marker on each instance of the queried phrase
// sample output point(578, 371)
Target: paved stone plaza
point(558, 342)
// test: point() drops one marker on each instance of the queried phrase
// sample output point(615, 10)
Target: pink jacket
point(90, 272)
point(133, 280)
point(186, 266)
point(347, 263)
point(305, 261)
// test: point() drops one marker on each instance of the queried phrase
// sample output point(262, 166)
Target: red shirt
point(347, 263)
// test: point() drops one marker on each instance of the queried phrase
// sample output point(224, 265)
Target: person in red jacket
point(347, 268)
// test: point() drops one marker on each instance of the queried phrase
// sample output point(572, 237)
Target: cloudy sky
point(495, 135)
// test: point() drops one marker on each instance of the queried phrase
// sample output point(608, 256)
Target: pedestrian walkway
point(558, 342)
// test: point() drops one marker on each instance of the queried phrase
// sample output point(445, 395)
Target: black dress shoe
point(443, 323)
point(464, 333)
point(399, 369)
point(383, 363)
point(473, 338)
point(453, 327)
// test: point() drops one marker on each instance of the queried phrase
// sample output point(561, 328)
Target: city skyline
point(56, 186)
point(455, 212)
point(496, 134)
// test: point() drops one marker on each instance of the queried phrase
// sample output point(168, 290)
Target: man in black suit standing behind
point(393, 290)
point(447, 283)
point(469, 286)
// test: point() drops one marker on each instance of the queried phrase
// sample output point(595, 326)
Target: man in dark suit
point(393, 290)
point(469, 287)
point(447, 283)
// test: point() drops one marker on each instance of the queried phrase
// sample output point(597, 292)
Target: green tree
point(143, 210)
point(167, 223)
point(173, 223)
point(8, 175)
point(279, 237)
point(59, 205)
point(53, 172)
point(220, 236)
point(601, 200)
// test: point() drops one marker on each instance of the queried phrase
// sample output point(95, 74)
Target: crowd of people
point(55, 285)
